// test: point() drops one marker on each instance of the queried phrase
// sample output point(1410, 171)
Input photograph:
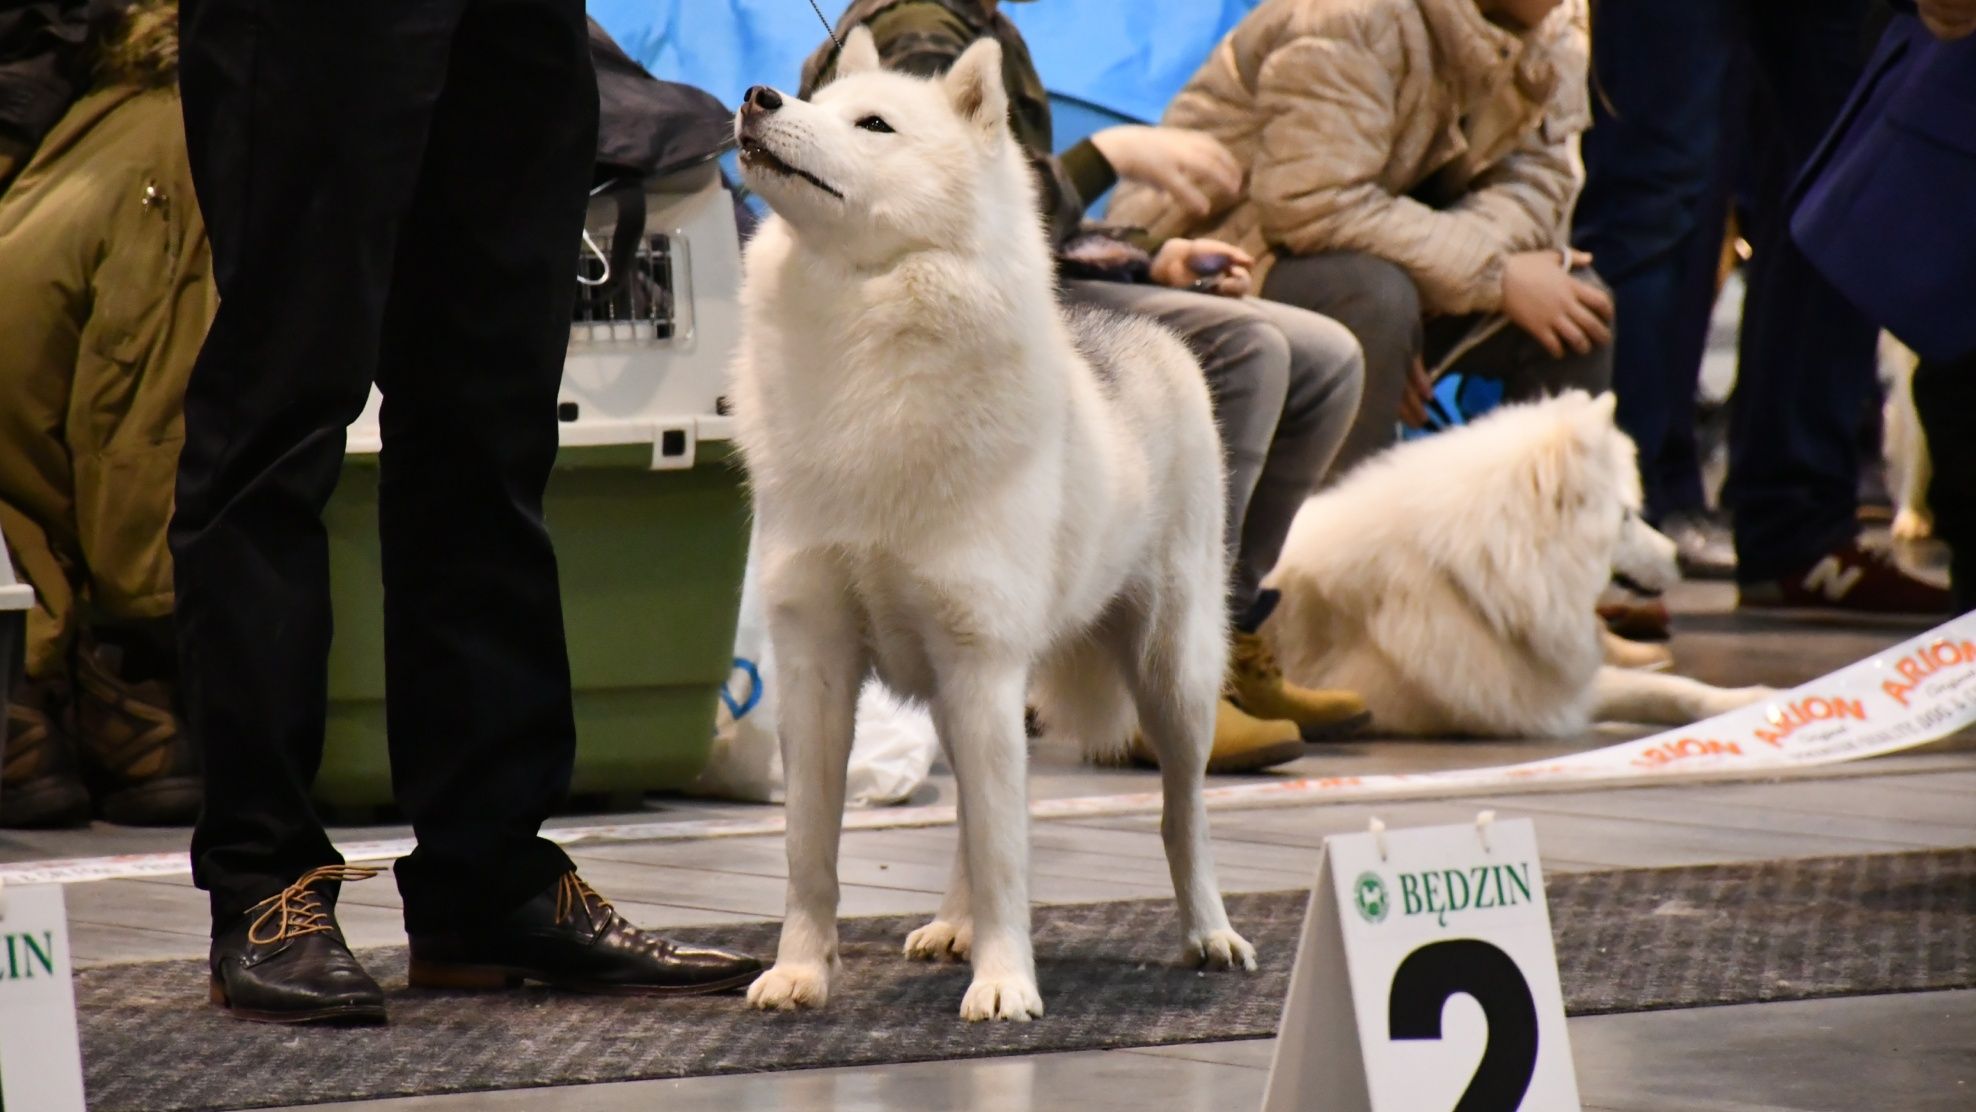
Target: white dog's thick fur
point(1452, 582)
point(962, 488)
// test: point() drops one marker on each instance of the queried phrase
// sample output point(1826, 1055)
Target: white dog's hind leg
point(951, 933)
point(978, 709)
point(1620, 695)
point(1177, 714)
point(821, 665)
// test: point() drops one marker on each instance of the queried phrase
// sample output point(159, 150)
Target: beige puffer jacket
point(1415, 130)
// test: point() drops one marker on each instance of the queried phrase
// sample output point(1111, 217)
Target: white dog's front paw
point(1010, 998)
point(1221, 949)
point(786, 987)
point(941, 940)
point(1736, 698)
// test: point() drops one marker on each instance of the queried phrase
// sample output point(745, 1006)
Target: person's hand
point(1205, 266)
point(1413, 400)
point(1949, 20)
point(1191, 166)
point(1560, 311)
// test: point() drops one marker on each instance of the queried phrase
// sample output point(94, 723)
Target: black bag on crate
point(647, 129)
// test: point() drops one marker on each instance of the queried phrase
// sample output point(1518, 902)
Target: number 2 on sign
point(1429, 976)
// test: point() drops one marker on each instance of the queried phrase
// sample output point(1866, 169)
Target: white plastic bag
point(891, 750)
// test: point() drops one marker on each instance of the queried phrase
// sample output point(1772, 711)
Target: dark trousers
point(1672, 123)
point(395, 191)
point(1945, 399)
point(1380, 304)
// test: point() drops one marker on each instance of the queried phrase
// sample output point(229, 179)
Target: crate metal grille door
point(637, 306)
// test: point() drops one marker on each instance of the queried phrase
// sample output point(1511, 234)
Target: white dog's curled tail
point(1080, 694)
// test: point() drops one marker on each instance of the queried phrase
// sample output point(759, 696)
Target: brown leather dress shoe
point(570, 937)
point(285, 961)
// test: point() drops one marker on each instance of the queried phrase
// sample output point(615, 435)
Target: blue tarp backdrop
point(1125, 56)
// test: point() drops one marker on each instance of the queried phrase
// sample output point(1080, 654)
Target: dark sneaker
point(1702, 546)
point(1855, 578)
point(570, 937)
point(140, 763)
point(285, 961)
point(40, 785)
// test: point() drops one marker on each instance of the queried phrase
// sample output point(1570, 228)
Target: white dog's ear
point(860, 52)
point(1606, 405)
point(974, 85)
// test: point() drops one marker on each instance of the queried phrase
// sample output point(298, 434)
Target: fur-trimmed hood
point(140, 46)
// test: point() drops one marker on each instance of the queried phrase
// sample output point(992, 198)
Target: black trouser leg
point(305, 124)
point(482, 741)
point(1945, 399)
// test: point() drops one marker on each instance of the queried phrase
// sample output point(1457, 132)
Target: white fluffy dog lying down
point(1452, 581)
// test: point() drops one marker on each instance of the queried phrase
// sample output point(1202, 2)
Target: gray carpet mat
point(1627, 940)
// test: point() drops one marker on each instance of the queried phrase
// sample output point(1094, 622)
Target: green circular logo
point(1369, 895)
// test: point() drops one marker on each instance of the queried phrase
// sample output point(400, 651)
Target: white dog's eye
point(873, 123)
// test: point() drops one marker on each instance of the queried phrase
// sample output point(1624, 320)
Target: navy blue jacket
point(1888, 212)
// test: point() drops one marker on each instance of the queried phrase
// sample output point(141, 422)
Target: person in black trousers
point(394, 191)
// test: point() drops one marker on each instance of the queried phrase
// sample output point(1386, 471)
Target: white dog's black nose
point(761, 98)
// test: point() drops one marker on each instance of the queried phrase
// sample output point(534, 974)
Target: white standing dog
point(966, 490)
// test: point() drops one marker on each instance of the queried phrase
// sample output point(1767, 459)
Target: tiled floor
point(1896, 1052)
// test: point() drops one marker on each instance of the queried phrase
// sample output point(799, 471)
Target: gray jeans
point(1380, 304)
point(1285, 385)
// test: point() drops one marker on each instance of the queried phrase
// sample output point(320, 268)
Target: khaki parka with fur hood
point(1414, 130)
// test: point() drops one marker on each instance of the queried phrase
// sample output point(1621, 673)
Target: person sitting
point(104, 300)
point(1285, 382)
point(1410, 174)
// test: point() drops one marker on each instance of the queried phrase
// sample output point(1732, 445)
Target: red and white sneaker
point(1856, 578)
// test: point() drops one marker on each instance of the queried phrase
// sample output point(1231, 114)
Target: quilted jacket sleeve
point(1330, 102)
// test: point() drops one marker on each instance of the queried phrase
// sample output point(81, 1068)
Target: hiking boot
point(1242, 742)
point(1702, 546)
point(40, 785)
point(141, 766)
point(1256, 685)
point(570, 937)
point(1855, 578)
point(284, 960)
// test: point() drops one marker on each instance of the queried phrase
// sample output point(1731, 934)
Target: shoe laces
point(298, 909)
point(573, 892)
point(1252, 657)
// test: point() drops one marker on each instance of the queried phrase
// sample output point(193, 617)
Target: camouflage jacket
point(925, 37)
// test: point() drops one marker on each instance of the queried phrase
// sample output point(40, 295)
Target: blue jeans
point(1689, 93)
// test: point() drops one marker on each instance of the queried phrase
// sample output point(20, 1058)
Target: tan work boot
point(1256, 685)
point(1242, 743)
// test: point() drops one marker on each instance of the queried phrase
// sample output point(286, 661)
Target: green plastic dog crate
point(646, 507)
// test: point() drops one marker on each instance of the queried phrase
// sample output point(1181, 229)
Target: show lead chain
point(827, 28)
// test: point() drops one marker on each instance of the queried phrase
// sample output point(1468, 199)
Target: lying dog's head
point(1606, 480)
point(1587, 474)
point(880, 160)
point(1644, 560)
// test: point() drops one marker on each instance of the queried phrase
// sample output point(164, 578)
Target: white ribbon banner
point(1921, 690)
